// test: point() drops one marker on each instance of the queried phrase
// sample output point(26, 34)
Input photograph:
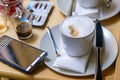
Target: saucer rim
point(113, 13)
point(68, 73)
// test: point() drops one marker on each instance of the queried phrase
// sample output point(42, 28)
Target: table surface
point(55, 17)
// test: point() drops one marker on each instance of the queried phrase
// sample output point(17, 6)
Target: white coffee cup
point(88, 3)
point(81, 43)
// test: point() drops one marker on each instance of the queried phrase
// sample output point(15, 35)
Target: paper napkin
point(90, 12)
point(75, 64)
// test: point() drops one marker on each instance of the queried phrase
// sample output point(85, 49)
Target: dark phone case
point(5, 40)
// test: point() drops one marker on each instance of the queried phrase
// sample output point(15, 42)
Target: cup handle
point(108, 3)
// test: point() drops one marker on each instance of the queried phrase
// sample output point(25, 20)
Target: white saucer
point(108, 13)
point(109, 54)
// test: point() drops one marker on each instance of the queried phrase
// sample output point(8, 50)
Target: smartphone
point(20, 55)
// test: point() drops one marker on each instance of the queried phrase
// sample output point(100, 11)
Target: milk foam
point(83, 25)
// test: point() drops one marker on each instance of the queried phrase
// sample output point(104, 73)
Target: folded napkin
point(75, 64)
point(90, 12)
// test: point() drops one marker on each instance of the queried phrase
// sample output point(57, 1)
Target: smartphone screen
point(20, 55)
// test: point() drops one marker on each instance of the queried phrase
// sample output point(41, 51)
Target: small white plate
point(64, 5)
point(109, 53)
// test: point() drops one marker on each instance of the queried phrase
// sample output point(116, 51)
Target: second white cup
point(77, 34)
point(89, 3)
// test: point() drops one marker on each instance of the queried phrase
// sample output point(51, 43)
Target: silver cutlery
point(53, 41)
point(100, 9)
point(72, 8)
point(108, 3)
point(99, 45)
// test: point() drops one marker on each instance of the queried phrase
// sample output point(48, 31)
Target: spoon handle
point(53, 41)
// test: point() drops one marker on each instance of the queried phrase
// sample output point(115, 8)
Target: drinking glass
point(3, 17)
point(23, 28)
